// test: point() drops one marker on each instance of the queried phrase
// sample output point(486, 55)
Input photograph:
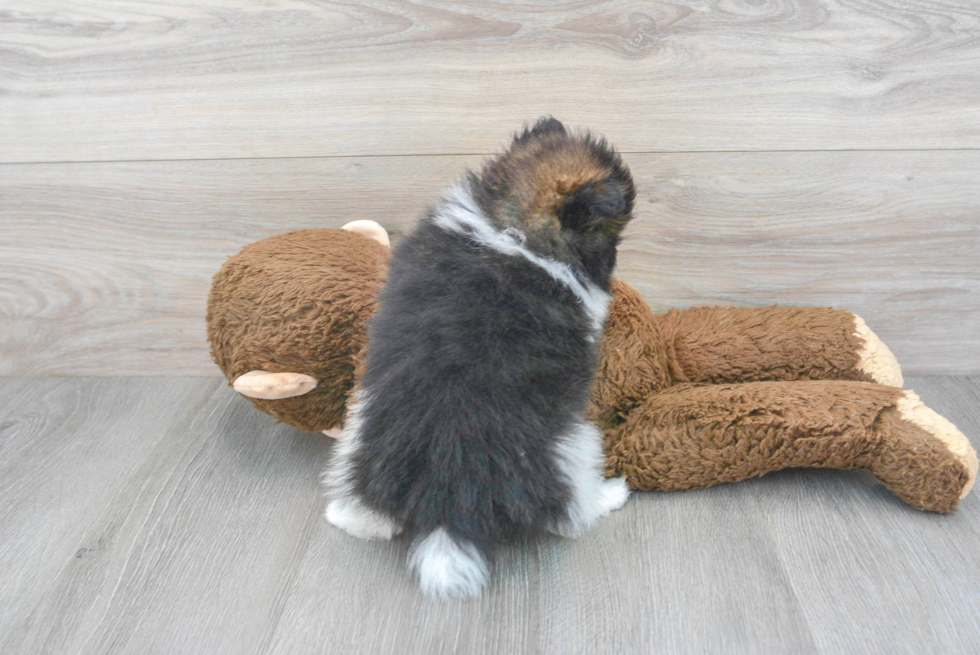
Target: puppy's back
point(481, 354)
point(477, 361)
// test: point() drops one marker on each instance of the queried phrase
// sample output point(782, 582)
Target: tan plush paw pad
point(913, 411)
point(370, 229)
point(875, 358)
point(273, 386)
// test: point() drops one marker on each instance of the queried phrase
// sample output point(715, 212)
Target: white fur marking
point(579, 457)
point(460, 214)
point(345, 510)
point(615, 493)
point(351, 516)
point(447, 568)
point(519, 236)
point(337, 477)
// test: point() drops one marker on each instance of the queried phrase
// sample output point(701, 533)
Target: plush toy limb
point(271, 386)
point(745, 344)
point(912, 410)
point(642, 354)
point(334, 433)
point(875, 358)
point(369, 229)
point(691, 437)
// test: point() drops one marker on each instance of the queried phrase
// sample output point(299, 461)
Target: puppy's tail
point(448, 566)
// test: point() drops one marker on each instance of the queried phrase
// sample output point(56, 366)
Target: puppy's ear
point(591, 205)
point(543, 125)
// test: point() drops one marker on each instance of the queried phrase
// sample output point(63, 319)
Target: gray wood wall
point(795, 151)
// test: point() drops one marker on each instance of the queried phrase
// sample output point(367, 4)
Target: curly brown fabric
point(298, 302)
point(696, 436)
point(686, 399)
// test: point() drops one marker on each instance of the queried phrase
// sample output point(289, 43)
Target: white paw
point(614, 494)
point(359, 521)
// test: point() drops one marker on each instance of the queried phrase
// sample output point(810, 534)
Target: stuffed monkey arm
point(745, 344)
point(695, 436)
point(642, 353)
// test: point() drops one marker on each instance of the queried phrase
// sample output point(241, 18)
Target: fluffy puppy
point(468, 422)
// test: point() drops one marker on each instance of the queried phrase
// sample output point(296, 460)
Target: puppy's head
point(570, 193)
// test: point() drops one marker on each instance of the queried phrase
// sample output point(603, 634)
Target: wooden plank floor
point(815, 152)
point(98, 80)
point(150, 515)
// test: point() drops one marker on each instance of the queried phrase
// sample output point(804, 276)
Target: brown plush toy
point(686, 399)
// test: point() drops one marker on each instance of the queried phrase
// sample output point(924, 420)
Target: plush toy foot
point(875, 358)
point(922, 458)
point(355, 519)
point(272, 386)
point(695, 436)
point(369, 229)
point(334, 433)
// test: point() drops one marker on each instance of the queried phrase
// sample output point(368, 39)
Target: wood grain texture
point(196, 550)
point(91, 80)
point(67, 448)
point(877, 575)
point(657, 576)
point(211, 540)
point(105, 268)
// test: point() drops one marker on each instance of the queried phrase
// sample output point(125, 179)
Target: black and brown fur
point(480, 358)
point(569, 192)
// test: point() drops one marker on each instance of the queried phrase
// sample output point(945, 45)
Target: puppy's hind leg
point(346, 509)
point(351, 515)
point(579, 457)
